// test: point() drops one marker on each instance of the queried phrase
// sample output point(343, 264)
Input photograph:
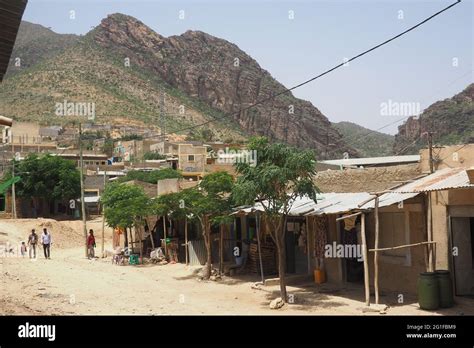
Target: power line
point(325, 72)
point(396, 121)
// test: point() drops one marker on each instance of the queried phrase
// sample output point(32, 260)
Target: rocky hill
point(451, 120)
point(368, 143)
point(122, 65)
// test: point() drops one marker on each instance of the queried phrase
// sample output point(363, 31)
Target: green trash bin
point(133, 259)
point(428, 291)
point(446, 296)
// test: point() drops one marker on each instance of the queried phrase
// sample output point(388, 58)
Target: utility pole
point(83, 204)
point(162, 115)
point(430, 150)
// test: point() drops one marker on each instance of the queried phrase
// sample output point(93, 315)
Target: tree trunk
point(282, 266)
point(277, 233)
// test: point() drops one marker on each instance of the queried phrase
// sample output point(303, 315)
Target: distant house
point(51, 132)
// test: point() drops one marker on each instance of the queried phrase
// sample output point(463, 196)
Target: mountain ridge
point(195, 68)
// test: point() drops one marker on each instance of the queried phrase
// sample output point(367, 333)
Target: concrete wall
point(167, 186)
point(442, 203)
point(196, 165)
point(394, 274)
point(450, 156)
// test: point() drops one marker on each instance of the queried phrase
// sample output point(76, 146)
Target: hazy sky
point(431, 63)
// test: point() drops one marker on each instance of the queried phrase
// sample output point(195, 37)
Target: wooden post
point(429, 233)
point(138, 228)
point(164, 235)
point(151, 236)
point(221, 249)
point(103, 222)
point(131, 240)
point(376, 253)
point(259, 247)
point(366, 261)
point(308, 248)
point(186, 239)
point(83, 204)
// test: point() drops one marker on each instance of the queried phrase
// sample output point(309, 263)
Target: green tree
point(125, 206)
point(47, 177)
point(208, 203)
point(281, 174)
point(151, 177)
point(153, 156)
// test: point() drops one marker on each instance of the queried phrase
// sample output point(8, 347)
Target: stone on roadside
point(277, 303)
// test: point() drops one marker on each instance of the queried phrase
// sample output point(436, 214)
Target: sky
point(296, 40)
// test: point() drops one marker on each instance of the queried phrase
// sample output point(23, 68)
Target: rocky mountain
point(36, 43)
point(451, 120)
point(122, 66)
point(368, 143)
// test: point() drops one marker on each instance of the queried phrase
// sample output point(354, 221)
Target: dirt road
point(71, 284)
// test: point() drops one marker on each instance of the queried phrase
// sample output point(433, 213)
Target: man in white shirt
point(46, 241)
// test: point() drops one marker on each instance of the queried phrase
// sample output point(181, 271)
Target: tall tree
point(280, 174)
point(47, 177)
point(208, 203)
point(125, 206)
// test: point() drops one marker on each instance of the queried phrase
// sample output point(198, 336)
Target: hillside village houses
point(426, 214)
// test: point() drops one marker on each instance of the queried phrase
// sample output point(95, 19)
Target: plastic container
point(446, 296)
point(319, 276)
point(428, 291)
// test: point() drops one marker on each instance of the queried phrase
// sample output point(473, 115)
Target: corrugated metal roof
point(374, 160)
point(335, 203)
point(444, 179)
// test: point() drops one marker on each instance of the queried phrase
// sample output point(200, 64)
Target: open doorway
point(462, 230)
point(352, 266)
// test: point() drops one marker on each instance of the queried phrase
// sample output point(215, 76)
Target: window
point(394, 232)
point(190, 158)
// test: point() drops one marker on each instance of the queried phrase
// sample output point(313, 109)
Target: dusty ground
point(71, 284)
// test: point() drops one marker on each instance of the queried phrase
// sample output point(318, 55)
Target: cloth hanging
point(320, 234)
point(349, 223)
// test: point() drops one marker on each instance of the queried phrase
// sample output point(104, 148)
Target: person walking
point(91, 245)
point(23, 249)
point(32, 241)
point(46, 240)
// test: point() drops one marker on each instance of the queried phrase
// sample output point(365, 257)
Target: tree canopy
point(280, 174)
point(46, 176)
point(151, 177)
point(124, 204)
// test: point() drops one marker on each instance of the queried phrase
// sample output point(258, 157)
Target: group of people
point(33, 240)
point(46, 241)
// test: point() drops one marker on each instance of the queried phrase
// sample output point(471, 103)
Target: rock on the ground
point(277, 303)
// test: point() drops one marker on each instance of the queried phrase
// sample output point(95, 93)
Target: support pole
point(83, 204)
point(164, 235)
point(221, 249)
point(366, 261)
point(259, 247)
point(429, 231)
point(14, 216)
point(376, 253)
point(186, 240)
point(103, 223)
